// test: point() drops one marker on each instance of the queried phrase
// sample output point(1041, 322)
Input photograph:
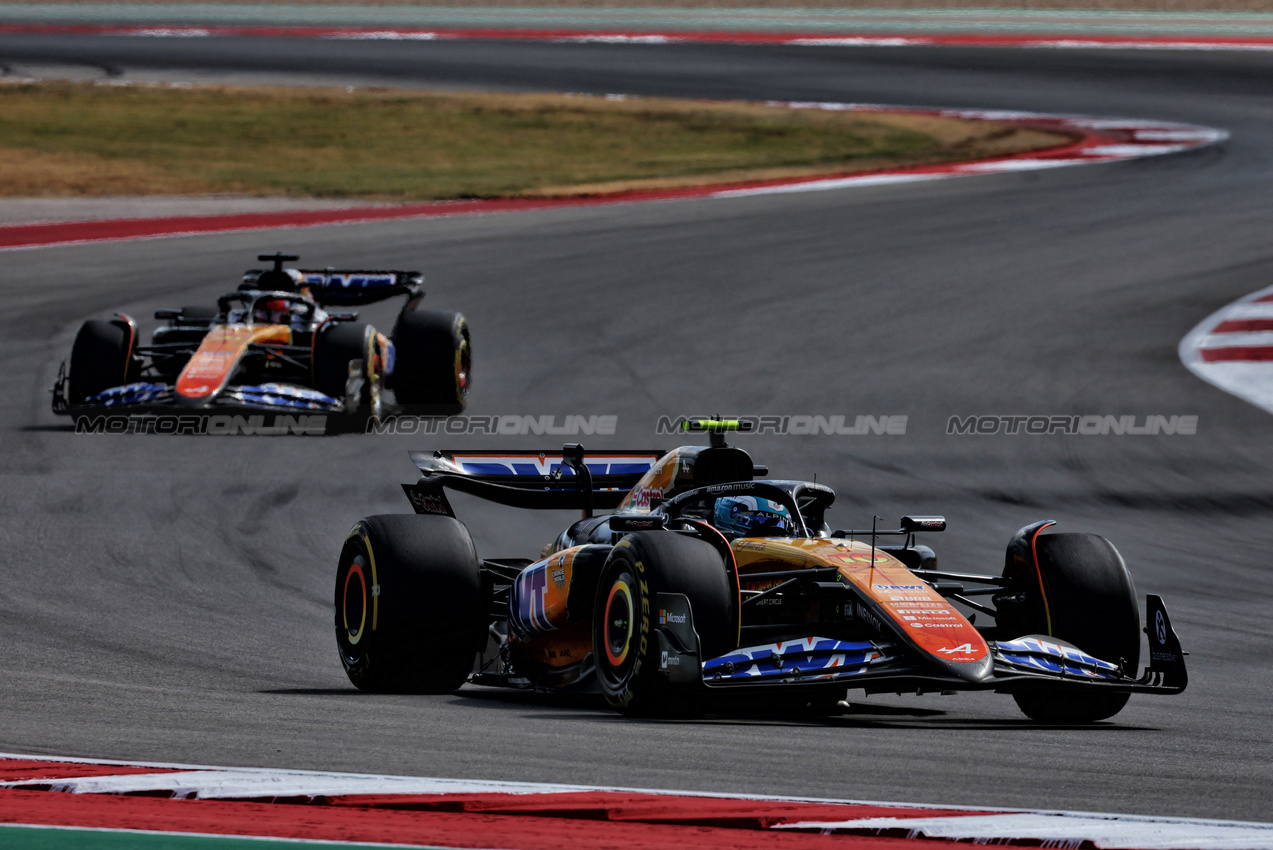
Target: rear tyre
point(625, 647)
point(101, 358)
point(408, 604)
point(433, 362)
point(1087, 598)
point(336, 346)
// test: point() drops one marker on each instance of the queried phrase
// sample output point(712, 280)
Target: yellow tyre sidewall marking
point(620, 587)
point(360, 532)
point(355, 568)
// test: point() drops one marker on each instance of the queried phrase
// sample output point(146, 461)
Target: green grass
point(84, 139)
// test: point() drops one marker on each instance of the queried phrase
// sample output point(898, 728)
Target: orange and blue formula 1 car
point(711, 584)
point(272, 346)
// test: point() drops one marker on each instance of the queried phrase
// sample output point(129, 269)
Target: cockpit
point(757, 508)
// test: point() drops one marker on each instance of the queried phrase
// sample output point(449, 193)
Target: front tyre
point(433, 362)
point(338, 345)
point(408, 604)
point(1081, 593)
point(625, 646)
point(101, 358)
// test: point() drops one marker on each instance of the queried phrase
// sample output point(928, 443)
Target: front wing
point(880, 666)
point(159, 398)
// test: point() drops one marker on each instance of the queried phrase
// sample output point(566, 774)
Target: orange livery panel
point(550, 606)
point(913, 610)
point(212, 365)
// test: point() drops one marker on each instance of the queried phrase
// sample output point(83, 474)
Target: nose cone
point(199, 381)
point(977, 670)
point(210, 367)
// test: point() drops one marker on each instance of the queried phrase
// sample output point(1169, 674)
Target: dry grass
point(84, 139)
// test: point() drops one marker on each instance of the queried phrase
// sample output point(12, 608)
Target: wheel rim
point(617, 634)
point(354, 601)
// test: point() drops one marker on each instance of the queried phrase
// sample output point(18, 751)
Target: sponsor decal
point(352, 280)
point(730, 488)
point(642, 497)
point(896, 587)
point(867, 616)
point(665, 617)
point(427, 503)
point(963, 649)
point(528, 604)
point(1160, 627)
point(545, 465)
point(749, 544)
point(813, 657)
point(206, 366)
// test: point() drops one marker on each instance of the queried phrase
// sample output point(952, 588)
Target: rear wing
point(349, 287)
point(565, 480)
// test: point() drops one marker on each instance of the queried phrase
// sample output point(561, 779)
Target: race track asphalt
point(169, 598)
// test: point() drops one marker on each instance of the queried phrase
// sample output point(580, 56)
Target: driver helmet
point(275, 311)
point(752, 516)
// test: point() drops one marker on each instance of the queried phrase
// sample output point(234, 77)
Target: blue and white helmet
point(752, 516)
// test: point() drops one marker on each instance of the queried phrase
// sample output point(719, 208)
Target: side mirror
point(911, 524)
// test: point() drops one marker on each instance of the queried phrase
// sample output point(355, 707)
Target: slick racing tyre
point(101, 358)
point(337, 345)
point(1087, 598)
point(408, 604)
point(625, 646)
point(433, 362)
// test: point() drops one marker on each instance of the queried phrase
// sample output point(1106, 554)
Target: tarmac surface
point(559, 16)
point(169, 598)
